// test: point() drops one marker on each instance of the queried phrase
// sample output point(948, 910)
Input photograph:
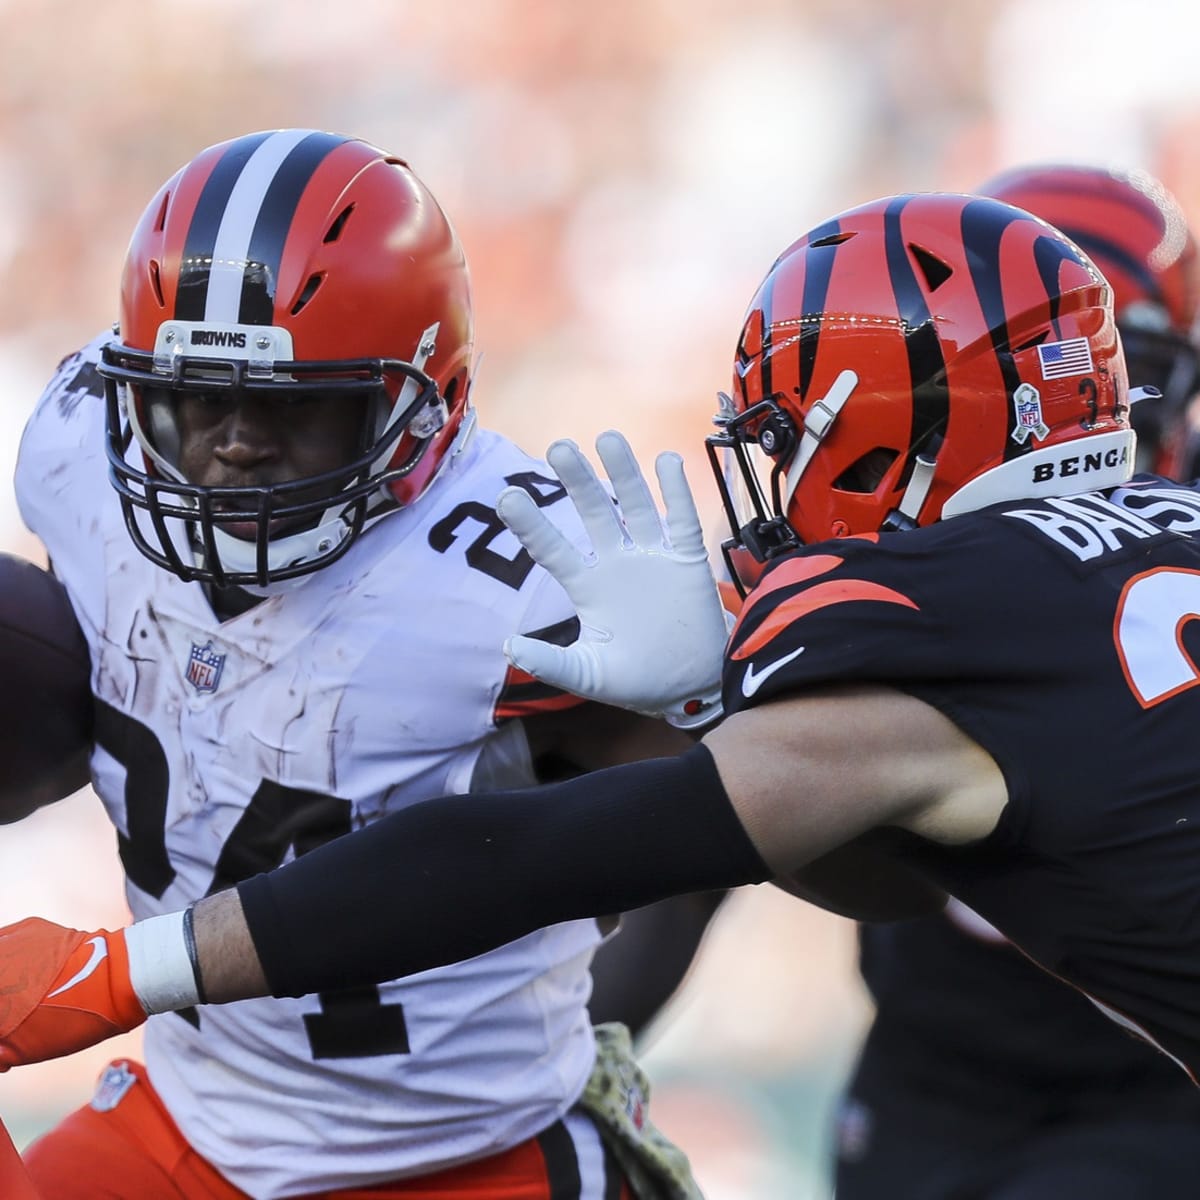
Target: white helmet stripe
point(232, 245)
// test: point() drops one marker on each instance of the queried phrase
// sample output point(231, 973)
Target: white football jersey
point(224, 748)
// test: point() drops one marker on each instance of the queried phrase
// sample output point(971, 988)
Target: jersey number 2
point(352, 1022)
point(1151, 614)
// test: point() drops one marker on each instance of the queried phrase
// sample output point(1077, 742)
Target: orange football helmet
point(289, 260)
point(915, 358)
point(1134, 230)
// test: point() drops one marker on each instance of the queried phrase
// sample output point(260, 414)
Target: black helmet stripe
point(1049, 254)
point(195, 268)
point(819, 269)
point(764, 358)
point(274, 221)
point(926, 362)
point(1105, 250)
point(235, 242)
point(983, 224)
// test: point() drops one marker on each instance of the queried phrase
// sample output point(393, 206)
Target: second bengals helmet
point(288, 262)
point(1135, 231)
point(914, 358)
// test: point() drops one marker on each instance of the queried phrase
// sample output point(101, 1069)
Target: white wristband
point(160, 967)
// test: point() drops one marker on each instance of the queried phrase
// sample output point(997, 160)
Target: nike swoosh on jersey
point(753, 680)
point(99, 954)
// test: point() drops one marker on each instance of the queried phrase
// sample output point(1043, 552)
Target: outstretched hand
point(61, 990)
point(652, 627)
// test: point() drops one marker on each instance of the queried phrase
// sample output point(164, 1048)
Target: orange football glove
point(62, 990)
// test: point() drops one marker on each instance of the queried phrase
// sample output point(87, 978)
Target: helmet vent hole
point(310, 290)
point(865, 474)
point(339, 223)
point(935, 271)
point(834, 239)
point(160, 222)
point(156, 282)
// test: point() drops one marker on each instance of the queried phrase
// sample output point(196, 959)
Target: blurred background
point(622, 176)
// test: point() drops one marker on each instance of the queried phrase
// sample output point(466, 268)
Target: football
point(45, 690)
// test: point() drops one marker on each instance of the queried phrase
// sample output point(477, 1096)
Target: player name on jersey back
point(1094, 524)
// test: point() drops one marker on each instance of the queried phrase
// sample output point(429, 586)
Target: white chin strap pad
point(1085, 464)
point(241, 557)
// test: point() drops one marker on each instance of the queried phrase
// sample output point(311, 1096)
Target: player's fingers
point(33, 953)
point(540, 536)
point(683, 521)
point(596, 509)
point(543, 660)
point(633, 493)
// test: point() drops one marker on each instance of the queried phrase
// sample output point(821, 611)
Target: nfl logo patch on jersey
point(112, 1087)
point(204, 667)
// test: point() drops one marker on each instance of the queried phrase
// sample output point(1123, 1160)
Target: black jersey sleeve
point(941, 613)
point(838, 613)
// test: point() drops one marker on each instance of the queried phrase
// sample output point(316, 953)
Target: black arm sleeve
point(452, 878)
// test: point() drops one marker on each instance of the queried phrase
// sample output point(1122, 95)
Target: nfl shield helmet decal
point(204, 668)
point(1027, 400)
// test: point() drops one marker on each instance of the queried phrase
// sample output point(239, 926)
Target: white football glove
point(652, 626)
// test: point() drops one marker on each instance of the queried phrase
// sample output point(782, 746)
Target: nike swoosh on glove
point(62, 990)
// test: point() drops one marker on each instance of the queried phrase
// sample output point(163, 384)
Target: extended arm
point(767, 792)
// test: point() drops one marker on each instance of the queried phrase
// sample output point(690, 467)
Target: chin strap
point(241, 557)
point(907, 513)
point(818, 421)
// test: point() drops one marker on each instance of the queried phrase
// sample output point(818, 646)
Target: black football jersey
point(966, 1015)
point(1059, 635)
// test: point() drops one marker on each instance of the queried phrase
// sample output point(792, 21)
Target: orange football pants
point(134, 1151)
point(15, 1183)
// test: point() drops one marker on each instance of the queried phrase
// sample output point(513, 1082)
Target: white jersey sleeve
point(225, 748)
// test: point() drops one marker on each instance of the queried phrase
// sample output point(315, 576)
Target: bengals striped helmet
point(282, 266)
point(1134, 230)
point(915, 358)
